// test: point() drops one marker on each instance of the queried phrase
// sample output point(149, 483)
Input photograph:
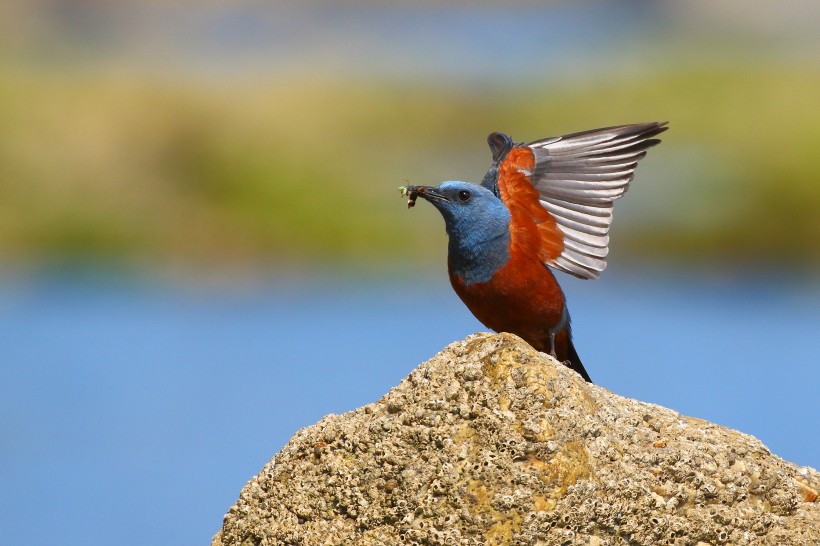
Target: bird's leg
point(552, 345)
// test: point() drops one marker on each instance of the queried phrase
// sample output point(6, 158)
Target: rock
point(491, 442)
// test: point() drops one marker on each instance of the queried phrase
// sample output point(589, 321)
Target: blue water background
point(132, 412)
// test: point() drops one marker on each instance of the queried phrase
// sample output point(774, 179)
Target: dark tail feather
point(575, 363)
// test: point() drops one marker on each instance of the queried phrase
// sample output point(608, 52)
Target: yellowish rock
point(493, 443)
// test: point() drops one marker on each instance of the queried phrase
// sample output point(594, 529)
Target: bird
point(542, 206)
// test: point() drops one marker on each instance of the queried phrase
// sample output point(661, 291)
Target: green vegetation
point(108, 166)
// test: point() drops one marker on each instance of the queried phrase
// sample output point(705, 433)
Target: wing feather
point(589, 250)
point(578, 208)
point(563, 213)
point(578, 176)
point(589, 239)
point(583, 194)
point(575, 179)
point(582, 227)
point(533, 229)
point(568, 266)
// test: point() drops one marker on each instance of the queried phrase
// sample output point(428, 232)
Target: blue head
point(478, 225)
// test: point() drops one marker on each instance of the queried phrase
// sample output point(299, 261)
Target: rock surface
point(491, 442)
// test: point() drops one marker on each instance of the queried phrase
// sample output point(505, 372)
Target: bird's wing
point(532, 228)
point(576, 178)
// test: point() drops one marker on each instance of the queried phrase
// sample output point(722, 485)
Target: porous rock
point(491, 442)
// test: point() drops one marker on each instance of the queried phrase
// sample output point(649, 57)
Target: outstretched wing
point(576, 178)
point(532, 228)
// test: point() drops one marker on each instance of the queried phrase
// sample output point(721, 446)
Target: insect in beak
point(411, 194)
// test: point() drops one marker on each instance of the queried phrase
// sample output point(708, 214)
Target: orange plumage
point(522, 298)
point(533, 229)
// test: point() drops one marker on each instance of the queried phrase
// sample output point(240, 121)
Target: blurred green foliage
point(109, 165)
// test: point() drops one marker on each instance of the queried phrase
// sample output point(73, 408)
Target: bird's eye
point(464, 195)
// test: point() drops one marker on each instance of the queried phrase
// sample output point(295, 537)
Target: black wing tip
point(647, 128)
point(641, 134)
point(646, 132)
point(638, 128)
point(499, 144)
point(653, 129)
point(649, 131)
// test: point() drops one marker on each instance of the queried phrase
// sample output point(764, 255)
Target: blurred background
point(203, 249)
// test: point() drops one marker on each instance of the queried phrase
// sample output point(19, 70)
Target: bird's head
point(472, 213)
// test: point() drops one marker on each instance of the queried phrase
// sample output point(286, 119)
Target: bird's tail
point(574, 362)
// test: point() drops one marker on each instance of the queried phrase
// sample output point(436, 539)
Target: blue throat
point(478, 260)
point(478, 225)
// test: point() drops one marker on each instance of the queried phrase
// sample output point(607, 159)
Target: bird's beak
point(429, 193)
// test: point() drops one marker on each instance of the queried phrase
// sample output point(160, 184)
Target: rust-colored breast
point(522, 298)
